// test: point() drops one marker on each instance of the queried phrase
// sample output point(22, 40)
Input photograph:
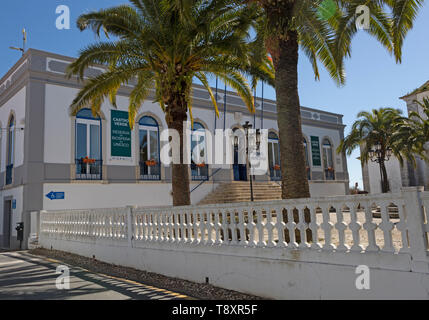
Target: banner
point(315, 152)
point(120, 134)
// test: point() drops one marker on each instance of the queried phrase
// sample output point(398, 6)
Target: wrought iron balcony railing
point(275, 174)
point(329, 174)
point(89, 169)
point(199, 173)
point(150, 171)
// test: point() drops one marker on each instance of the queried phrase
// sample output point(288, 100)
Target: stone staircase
point(239, 191)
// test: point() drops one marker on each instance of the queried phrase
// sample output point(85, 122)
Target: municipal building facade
point(50, 159)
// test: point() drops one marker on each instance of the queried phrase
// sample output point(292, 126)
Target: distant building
point(407, 175)
point(52, 160)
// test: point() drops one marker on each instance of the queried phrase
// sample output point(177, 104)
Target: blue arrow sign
point(56, 195)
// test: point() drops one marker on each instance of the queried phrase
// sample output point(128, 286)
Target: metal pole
point(254, 115)
point(216, 105)
point(224, 109)
point(246, 127)
point(24, 40)
point(262, 107)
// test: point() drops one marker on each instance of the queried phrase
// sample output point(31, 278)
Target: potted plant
point(150, 163)
point(87, 160)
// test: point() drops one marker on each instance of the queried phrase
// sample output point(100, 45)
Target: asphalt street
point(27, 277)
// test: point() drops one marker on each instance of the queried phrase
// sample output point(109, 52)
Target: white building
point(406, 175)
point(52, 160)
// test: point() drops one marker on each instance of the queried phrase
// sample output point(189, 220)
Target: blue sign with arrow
point(56, 195)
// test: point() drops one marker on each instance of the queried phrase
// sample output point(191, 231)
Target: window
point(150, 168)
point(88, 146)
point(328, 162)
point(199, 167)
point(10, 150)
point(307, 162)
point(274, 156)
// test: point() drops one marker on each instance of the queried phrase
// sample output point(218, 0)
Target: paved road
point(27, 277)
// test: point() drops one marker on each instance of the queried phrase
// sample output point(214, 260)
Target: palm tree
point(378, 130)
point(166, 44)
point(323, 30)
point(414, 131)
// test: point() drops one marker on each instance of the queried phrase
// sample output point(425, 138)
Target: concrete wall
point(15, 106)
point(100, 195)
point(17, 213)
point(272, 275)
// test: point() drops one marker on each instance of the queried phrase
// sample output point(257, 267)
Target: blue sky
point(374, 79)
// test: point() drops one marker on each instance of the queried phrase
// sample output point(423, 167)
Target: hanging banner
point(120, 134)
point(315, 151)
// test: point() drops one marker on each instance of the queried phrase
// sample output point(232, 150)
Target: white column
point(415, 223)
point(33, 239)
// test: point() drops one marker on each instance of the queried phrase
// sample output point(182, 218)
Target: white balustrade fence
point(386, 231)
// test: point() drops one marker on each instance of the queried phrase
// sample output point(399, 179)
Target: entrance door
point(7, 220)
point(274, 156)
point(240, 167)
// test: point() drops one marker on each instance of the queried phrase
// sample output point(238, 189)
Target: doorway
point(240, 157)
point(7, 223)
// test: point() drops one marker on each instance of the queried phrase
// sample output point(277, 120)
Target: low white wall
point(276, 275)
point(191, 243)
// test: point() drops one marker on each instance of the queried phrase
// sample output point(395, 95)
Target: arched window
point(10, 149)
point(88, 146)
point(199, 167)
point(307, 161)
point(11, 141)
point(150, 168)
point(328, 160)
point(274, 156)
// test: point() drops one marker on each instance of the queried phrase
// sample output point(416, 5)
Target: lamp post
point(381, 156)
point(246, 127)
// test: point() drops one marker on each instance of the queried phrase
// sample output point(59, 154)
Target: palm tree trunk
point(176, 115)
point(384, 180)
point(284, 52)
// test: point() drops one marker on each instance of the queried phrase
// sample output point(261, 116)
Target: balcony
point(9, 173)
point(89, 169)
point(200, 172)
point(150, 170)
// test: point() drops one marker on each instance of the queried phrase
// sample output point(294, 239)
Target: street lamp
point(377, 155)
point(246, 128)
